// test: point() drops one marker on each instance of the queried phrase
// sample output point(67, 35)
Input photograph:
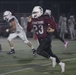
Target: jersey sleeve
point(47, 21)
point(54, 24)
point(51, 23)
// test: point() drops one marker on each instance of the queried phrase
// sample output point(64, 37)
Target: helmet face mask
point(37, 12)
point(7, 15)
point(34, 14)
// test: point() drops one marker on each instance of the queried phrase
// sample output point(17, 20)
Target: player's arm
point(49, 27)
point(29, 18)
point(29, 24)
point(12, 26)
point(53, 24)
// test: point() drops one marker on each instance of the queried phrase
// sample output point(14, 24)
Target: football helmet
point(37, 12)
point(47, 12)
point(7, 15)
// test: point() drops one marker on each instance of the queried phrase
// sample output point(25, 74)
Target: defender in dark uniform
point(54, 25)
point(41, 25)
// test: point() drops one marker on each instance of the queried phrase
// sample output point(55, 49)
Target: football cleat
point(34, 52)
point(11, 52)
point(62, 65)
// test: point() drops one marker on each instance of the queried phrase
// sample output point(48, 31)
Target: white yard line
point(69, 59)
point(15, 71)
point(31, 68)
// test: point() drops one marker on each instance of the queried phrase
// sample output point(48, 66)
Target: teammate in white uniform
point(71, 27)
point(15, 30)
point(63, 25)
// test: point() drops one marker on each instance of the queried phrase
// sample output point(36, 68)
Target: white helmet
point(47, 12)
point(37, 12)
point(7, 15)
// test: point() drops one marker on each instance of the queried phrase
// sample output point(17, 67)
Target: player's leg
point(60, 38)
point(10, 38)
point(22, 35)
point(43, 50)
point(62, 65)
point(71, 34)
point(53, 57)
point(31, 46)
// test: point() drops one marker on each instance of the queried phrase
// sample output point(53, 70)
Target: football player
point(71, 27)
point(15, 30)
point(48, 13)
point(42, 27)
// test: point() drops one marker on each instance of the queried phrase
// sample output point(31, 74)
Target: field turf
point(24, 63)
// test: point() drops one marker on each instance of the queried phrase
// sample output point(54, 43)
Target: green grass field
point(24, 63)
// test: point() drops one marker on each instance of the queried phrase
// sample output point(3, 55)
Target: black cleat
point(11, 52)
point(34, 52)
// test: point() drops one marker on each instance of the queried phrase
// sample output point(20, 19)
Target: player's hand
point(7, 30)
point(50, 30)
point(29, 19)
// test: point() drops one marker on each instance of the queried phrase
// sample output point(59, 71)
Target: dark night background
point(25, 6)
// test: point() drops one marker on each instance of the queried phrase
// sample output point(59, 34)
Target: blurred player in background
point(48, 13)
point(71, 24)
point(63, 25)
point(15, 30)
point(41, 25)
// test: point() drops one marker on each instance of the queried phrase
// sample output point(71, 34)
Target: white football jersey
point(18, 26)
point(71, 23)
